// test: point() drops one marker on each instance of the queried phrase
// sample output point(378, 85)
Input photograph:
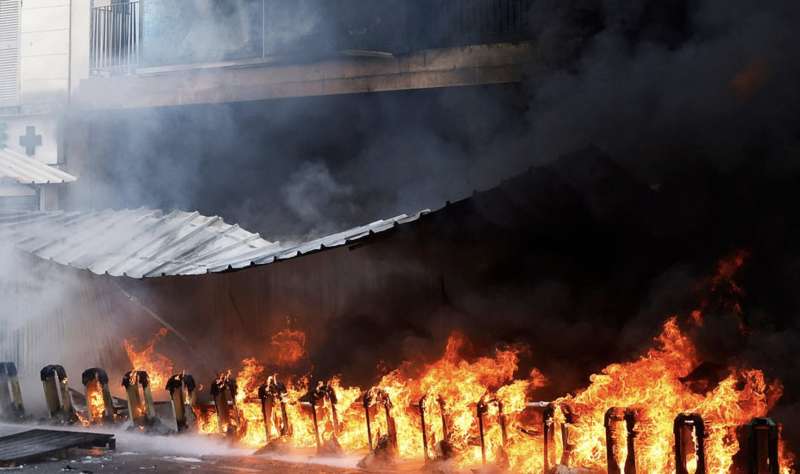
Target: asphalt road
point(138, 453)
point(88, 462)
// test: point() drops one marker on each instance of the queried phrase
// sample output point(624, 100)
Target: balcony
point(128, 36)
point(116, 37)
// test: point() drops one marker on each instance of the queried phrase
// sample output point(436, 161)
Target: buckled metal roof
point(145, 243)
point(26, 170)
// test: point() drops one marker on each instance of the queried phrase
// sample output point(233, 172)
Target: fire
point(157, 366)
point(287, 347)
point(470, 403)
point(95, 404)
point(452, 387)
point(653, 385)
point(722, 291)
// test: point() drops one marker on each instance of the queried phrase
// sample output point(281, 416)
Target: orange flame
point(654, 387)
point(652, 384)
point(158, 367)
point(287, 347)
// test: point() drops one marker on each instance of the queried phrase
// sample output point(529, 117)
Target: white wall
point(54, 58)
point(44, 52)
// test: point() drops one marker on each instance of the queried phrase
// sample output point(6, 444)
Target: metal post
point(548, 423)
point(482, 408)
point(316, 426)
point(266, 411)
point(367, 402)
point(424, 428)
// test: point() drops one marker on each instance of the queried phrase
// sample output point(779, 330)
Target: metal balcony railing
point(116, 37)
point(209, 31)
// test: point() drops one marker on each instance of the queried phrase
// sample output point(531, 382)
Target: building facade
point(42, 59)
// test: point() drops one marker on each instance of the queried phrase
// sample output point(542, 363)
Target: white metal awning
point(26, 170)
point(144, 243)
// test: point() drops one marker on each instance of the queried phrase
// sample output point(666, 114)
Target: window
point(9, 52)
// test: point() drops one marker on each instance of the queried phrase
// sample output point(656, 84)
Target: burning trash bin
point(759, 448)
point(442, 449)
point(141, 408)
point(11, 406)
point(690, 436)
point(485, 404)
point(273, 394)
point(383, 448)
point(545, 417)
point(99, 404)
point(321, 401)
point(56, 394)
point(223, 392)
point(182, 393)
point(615, 419)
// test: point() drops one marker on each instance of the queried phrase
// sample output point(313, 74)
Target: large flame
point(157, 366)
point(459, 395)
point(652, 384)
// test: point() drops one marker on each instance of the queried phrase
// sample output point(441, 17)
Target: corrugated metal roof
point(145, 243)
point(26, 170)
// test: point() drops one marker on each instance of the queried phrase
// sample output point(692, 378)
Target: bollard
point(141, 408)
point(56, 394)
point(445, 442)
point(99, 404)
point(273, 393)
point(689, 427)
point(223, 391)
point(181, 388)
point(11, 406)
point(379, 397)
point(762, 447)
point(484, 404)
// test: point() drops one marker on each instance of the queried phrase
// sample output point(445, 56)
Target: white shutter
point(9, 52)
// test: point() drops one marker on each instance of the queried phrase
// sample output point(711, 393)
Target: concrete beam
point(347, 74)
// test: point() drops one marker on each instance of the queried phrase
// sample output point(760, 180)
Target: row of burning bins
point(623, 426)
